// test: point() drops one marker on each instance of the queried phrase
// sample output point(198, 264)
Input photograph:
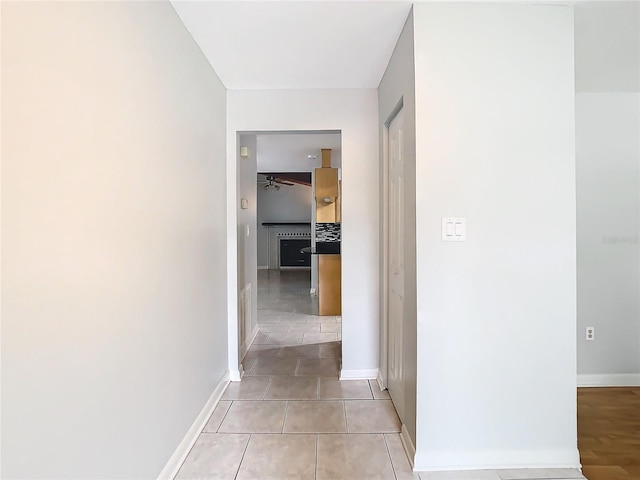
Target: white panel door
point(395, 370)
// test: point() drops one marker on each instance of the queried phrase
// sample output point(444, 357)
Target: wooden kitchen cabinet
point(326, 182)
point(329, 285)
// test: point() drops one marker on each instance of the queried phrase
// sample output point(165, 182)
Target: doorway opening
point(283, 277)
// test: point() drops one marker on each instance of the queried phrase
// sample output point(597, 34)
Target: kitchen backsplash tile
point(328, 232)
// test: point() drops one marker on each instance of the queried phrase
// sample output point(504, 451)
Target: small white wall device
point(454, 229)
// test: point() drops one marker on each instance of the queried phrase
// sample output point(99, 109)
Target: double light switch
point(454, 229)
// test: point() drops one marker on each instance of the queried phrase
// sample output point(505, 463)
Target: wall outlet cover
point(590, 333)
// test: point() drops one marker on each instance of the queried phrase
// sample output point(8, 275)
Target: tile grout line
point(284, 420)
point(246, 447)
point(253, 364)
point(315, 475)
point(223, 418)
point(264, 395)
point(346, 421)
point(393, 467)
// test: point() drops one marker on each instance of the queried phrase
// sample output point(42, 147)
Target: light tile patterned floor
point(292, 418)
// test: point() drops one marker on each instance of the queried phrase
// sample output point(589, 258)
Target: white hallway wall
point(354, 112)
point(497, 313)
point(608, 191)
point(113, 284)
point(608, 169)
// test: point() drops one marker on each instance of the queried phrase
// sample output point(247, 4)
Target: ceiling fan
point(273, 183)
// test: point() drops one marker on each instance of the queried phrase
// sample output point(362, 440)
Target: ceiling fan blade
point(299, 182)
point(283, 183)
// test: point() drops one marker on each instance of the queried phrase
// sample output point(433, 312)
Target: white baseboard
point(236, 375)
point(381, 384)
point(184, 447)
point(407, 443)
point(610, 380)
point(495, 459)
point(370, 374)
point(263, 267)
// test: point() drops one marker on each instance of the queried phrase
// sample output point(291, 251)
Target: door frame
point(234, 341)
point(384, 243)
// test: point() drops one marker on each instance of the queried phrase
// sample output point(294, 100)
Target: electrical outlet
point(590, 333)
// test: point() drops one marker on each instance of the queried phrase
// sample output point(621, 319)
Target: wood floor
point(609, 433)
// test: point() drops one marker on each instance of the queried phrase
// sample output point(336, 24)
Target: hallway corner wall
point(495, 122)
point(114, 318)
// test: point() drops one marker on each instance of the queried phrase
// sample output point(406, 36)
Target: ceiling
point(347, 44)
point(296, 44)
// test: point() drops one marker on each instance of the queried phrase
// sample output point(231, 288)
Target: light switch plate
point(244, 203)
point(454, 229)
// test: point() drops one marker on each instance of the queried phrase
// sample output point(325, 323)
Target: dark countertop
point(270, 224)
point(323, 249)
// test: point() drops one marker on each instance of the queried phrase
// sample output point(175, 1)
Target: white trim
point(407, 443)
point(383, 236)
point(383, 265)
point(171, 468)
point(236, 375)
point(443, 460)
point(249, 342)
point(233, 347)
point(610, 380)
point(263, 267)
point(369, 374)
point(312, 292)
point(381, 384)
